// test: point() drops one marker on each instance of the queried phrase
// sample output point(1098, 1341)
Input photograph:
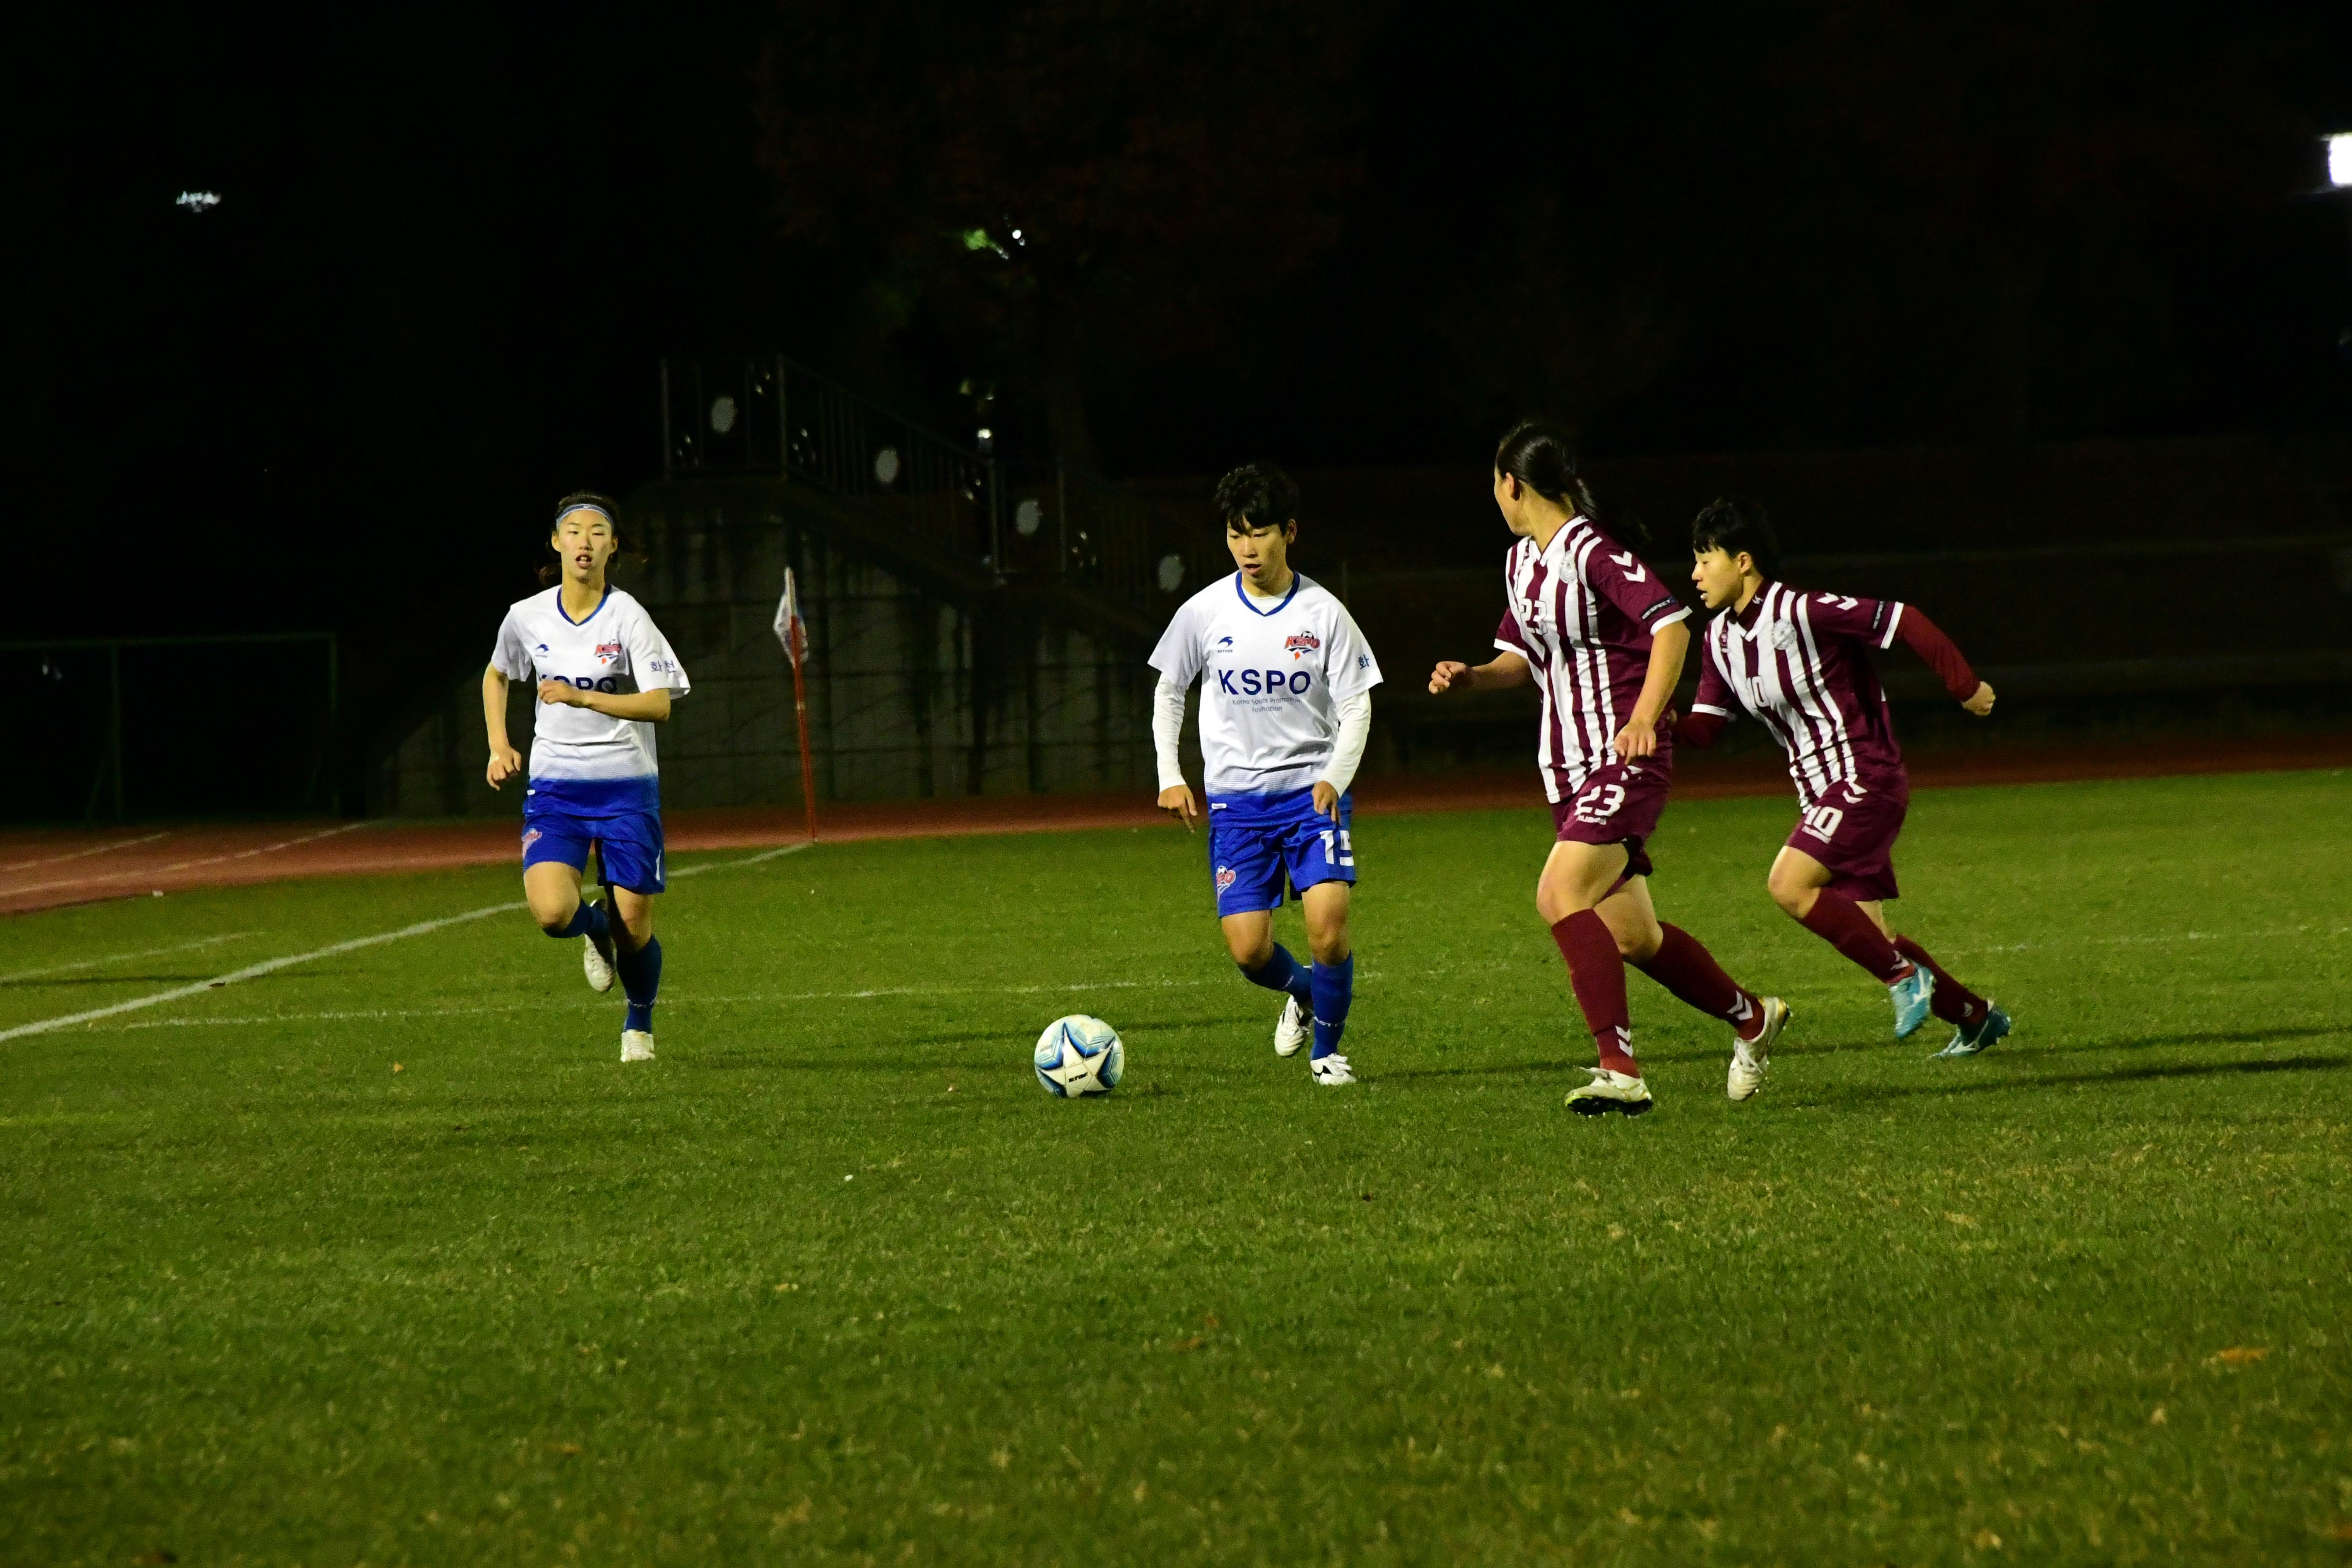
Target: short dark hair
point(1733, 523)
point(1259, 493)
point(549, 572)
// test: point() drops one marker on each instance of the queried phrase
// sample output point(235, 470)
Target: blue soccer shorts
point(1257, 842)
point(626, 835)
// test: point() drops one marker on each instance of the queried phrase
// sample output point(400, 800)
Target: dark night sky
point(452, 247)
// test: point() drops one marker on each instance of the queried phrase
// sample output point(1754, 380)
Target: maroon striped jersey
point(1799, 663)
point(1581, 612)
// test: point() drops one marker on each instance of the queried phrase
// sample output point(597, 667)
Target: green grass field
point(385, 1259)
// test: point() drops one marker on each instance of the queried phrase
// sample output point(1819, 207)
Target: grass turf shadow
point(2060, 1080)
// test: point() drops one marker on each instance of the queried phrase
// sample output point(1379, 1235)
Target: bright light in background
point(2339, 159)
point(205, 201)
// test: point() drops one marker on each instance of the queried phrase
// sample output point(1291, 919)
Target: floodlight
point(2339, 159)
point(722, 414)
point(199, 202)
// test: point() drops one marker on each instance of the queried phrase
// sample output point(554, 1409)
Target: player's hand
point(1979, 701)
point(1327, 802)
point(1448, 671)
point(505, 762)
point(1637, 740)
point(562, 694)
point(1178, 798)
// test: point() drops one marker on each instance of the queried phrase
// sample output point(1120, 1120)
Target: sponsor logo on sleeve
point(1634, 571)
point(1660, 607)
point(1840, 601)
point(1363, 661)
point(1298, 644)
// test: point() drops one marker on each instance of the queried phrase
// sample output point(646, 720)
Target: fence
point(129, 727)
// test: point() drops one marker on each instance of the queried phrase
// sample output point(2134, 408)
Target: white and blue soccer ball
point(1078, 1056)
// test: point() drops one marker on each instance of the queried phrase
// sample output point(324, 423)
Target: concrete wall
point(920, 683)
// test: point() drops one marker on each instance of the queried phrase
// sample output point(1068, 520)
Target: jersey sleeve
point(651, 662)
point(1620, 577)
point(1178, 655)
point(1849, 619)
point(510, 655)
point(1713, 691)
point(1510, 637)
point(1348, 663)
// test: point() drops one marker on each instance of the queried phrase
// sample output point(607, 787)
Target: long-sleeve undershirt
point(1347, 746)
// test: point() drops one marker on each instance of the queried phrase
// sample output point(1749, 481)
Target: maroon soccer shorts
point(1851, 830)
point(1620, 804)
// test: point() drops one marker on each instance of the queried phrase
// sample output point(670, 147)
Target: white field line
point(179, 864)
point(2162, 941)
point(96, 850)
point(377, 1015)
point(271, 966)
point(125, 957)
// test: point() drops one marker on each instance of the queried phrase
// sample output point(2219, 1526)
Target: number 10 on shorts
point(1340, 853)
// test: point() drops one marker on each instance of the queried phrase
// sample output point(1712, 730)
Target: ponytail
point(1540, 455)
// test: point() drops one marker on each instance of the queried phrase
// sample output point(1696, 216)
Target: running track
point(48, 870)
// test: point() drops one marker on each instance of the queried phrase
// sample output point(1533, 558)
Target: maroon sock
point(1834, 919)
point(1953, 1002)
point(1683, 966)
point(1598, 971)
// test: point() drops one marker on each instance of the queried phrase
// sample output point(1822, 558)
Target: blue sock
point(641, 978)
point(1284, 972)
point(1335, 988)
point(587, 919)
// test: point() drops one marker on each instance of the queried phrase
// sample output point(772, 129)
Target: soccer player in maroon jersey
point(1799, 663)
point(1604, 639)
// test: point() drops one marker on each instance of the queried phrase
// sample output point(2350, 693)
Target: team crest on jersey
point(1784, 637)
point(1298, 643)
point(606, 652)
point(1226, 878)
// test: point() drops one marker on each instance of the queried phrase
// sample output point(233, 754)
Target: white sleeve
point(651, 662)
point(1178, 657)
point(1168, 728)
point(510, 656)
point(1349, 667)
point(1347, 746)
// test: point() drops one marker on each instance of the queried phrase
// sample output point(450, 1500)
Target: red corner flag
point(793, 633)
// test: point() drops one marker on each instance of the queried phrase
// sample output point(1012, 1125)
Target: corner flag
point(792, 632)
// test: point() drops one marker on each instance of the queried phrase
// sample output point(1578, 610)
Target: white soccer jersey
point(616, 648)
point(1273, 673)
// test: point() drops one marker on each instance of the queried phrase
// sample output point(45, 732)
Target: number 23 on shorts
point(1342, 853)
point(1600, 803)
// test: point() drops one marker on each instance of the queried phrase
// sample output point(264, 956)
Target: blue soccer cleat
point(1911, 995)
point(1990, 1030)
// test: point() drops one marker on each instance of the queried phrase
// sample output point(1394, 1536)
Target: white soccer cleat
point(1293, 1029)
point(1610, 1090)
point(637, 1045)
point(598, 967)
point(1331, 1071)
point(1751, 1059)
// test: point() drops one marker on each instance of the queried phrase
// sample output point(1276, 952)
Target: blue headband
point(587, 506)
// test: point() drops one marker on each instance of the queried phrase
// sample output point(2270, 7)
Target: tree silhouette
point(1063, 182)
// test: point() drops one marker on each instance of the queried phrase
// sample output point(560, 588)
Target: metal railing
point(760, 415)
point(767, 415)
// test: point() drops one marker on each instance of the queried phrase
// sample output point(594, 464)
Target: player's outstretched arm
point(1668, 644)
point(1502, 672)
point(1940, 654)
point(644, 706)
point(505, 761)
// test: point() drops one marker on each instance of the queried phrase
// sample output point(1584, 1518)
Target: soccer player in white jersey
point(606, 677)
point(1603, 641)
point(1286, 705)
point(1799, 663)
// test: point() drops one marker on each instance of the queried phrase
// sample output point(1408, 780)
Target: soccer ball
point(1078, 1055)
